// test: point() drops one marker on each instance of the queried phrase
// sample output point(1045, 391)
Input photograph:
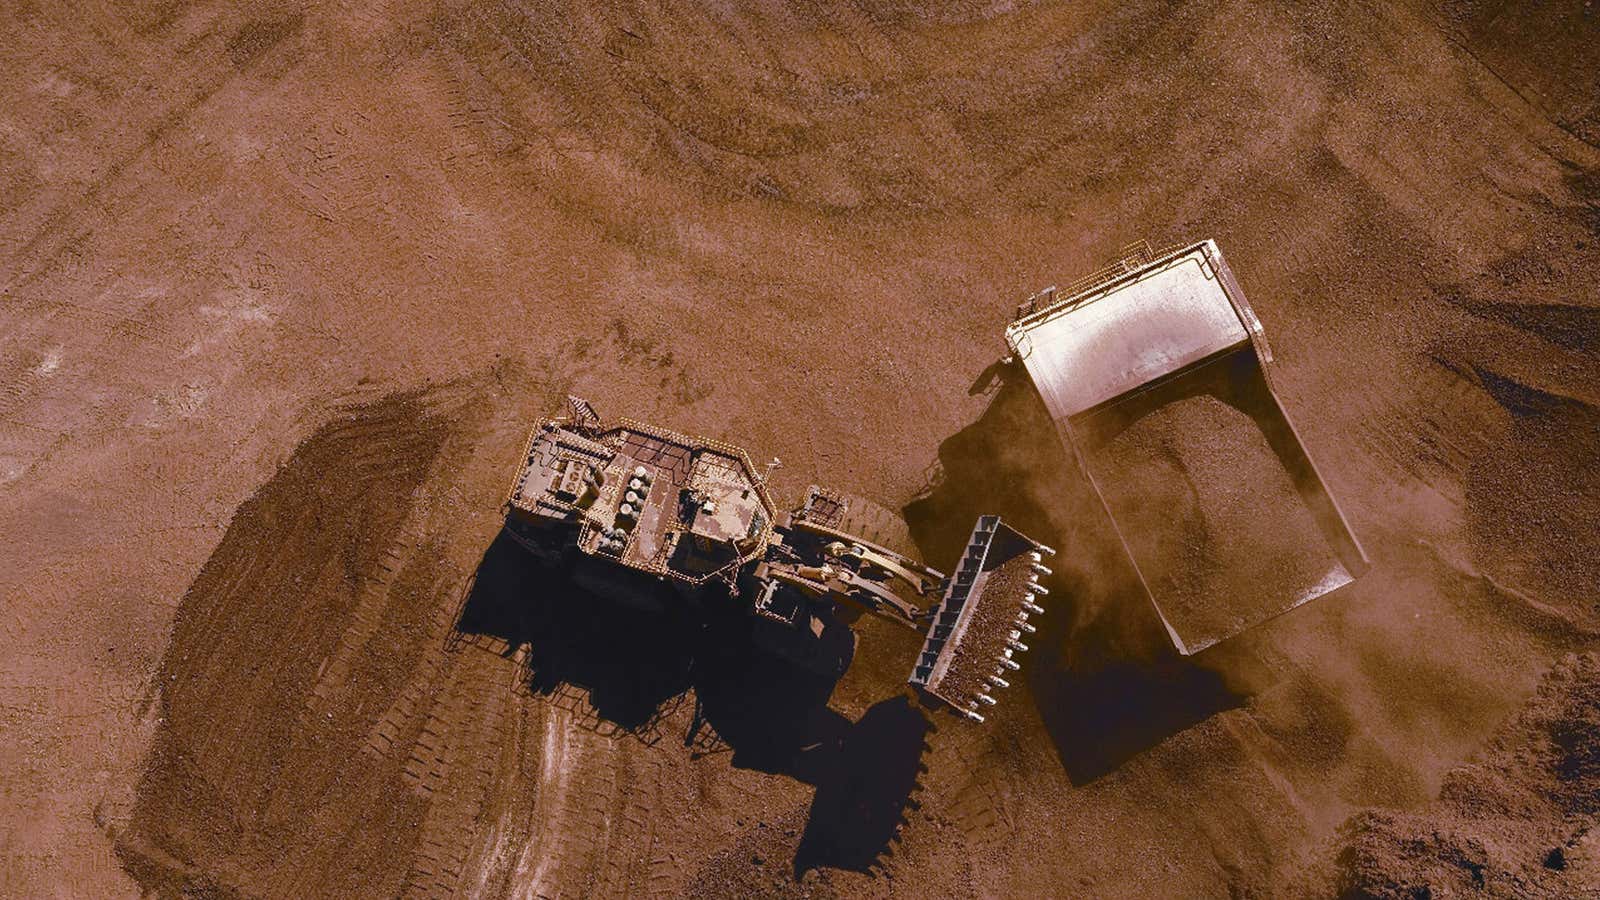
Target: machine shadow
point(630, 664)
point(864, 789)
point(775, 718)
point(1102, 672)
point(769, 714)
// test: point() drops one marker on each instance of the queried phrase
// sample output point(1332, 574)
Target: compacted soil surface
point(284, 284)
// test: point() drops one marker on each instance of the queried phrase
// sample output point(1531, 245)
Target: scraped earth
point(282, 286)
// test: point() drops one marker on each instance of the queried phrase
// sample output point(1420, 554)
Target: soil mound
point(1518, 822)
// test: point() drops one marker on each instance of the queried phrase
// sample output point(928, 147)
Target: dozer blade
point(980, 621)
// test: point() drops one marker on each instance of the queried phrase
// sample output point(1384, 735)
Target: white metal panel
point(1115, 339)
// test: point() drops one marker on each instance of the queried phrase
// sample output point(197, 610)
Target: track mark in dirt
point(317, 717)
point(62, 238)
point(608, 823)
point(260, 36)
point(975, 803)
point(312, 720)
point(466, 727)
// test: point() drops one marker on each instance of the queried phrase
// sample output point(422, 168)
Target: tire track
point(456, 771)
point(307, 680)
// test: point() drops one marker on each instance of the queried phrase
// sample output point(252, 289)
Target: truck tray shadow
point(1104, 677)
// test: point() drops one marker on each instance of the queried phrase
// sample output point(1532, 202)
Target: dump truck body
point(1113, 357)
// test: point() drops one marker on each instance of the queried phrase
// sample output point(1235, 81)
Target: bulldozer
point(653, 518)
point(649, 517)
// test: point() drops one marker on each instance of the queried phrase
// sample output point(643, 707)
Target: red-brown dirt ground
point(282, 286)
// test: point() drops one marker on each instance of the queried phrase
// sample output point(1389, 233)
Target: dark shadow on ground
point(771, 715)
point(864, 788)
point(775, 718)
point(630, 662)
point(1102, 709)
point(768, 712)
point(1102, 672)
